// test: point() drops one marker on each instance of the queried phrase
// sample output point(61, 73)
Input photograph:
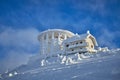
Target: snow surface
point(103, 65)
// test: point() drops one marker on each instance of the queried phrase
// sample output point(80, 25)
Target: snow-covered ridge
point(77, 57)
point(57, 62)
point(63, 52)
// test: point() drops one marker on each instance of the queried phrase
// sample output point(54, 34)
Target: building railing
point(78, 45)
point(78, 50)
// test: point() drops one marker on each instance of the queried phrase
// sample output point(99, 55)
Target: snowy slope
point(99, 66)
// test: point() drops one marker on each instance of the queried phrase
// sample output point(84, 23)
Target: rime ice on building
point(51, 40)
point(54, 41)
point(80, 44)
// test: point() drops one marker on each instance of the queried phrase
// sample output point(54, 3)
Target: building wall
point(56, 41)
point(90, 44)
point(51, 41)
point(76, 46)
point(79, 46)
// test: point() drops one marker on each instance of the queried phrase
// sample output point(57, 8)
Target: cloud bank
point(108, 38)
point(20, 44)
point(17, 46)
point(17, 43)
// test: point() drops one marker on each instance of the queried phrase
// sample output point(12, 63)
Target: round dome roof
point(57, 31)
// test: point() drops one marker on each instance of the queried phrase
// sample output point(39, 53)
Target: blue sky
point(22, 20)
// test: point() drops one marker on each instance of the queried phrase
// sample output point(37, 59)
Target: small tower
point(51, 40)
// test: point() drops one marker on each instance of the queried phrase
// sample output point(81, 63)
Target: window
point(72, 49)
point(56, 36)
point(62, 37)
point(67, 45)
point(81, 42)
point(91, 46)
point(67, 36)
point(50, 37)
point(44, 37)
point(76, 42)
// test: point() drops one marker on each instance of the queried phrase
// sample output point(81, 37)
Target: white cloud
point(19, 38)
point(95, 6)
point(14, 59)
point(18, 45)
point(107, 38)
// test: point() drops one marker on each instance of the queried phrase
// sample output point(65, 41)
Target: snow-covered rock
point(10, 75)
point(105, 49)
point(15, 73)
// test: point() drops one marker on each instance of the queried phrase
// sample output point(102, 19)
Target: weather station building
point(80, 44)
point(51, 40)
point(55, 41)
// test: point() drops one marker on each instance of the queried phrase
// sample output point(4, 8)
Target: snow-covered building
point(51, 40)
point(54, 41)
point(80, 43)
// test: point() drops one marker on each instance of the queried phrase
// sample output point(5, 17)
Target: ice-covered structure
point(80, 43)
point(55, 41)
point(51, 40)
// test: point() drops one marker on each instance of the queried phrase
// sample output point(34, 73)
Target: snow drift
point(103, 65)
